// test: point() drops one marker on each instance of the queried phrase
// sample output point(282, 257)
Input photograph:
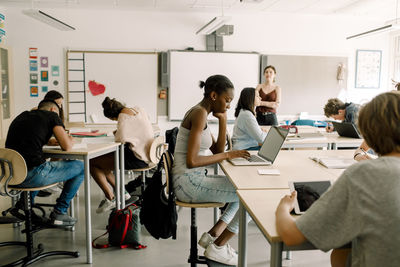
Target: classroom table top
point(90, 149)
point(261, 205)
point(294, 165)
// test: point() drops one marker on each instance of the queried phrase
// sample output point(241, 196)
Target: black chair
point(13, 172)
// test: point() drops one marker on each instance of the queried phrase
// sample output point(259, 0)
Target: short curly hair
point(378, 122)
point(332, 107)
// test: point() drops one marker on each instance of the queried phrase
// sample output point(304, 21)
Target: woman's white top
point(246, 132)
point(181, 148)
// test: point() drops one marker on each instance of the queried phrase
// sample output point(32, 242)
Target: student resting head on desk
point(28, 133)
point(336, 109)
point(363, 206)
point(135, 131)
point(247, 134)
point(190, 181)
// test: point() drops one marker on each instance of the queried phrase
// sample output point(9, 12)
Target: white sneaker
point(224, 254)
point(206, 239)
point(105, 205)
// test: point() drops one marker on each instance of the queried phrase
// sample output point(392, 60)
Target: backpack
point(158, 213)
point(123, 229)
point(170, 138)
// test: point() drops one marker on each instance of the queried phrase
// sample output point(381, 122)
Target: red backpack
point(123, 229)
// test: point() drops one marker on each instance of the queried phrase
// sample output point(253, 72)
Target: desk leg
point(89, 258)
point(122, 170)
point(242, 236)
point(276, 254)
point(117, 188)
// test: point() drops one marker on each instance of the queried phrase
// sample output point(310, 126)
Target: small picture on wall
point(34, 91)
point(44, 75)
point(44, 62)
point(55, 71)
point(368, 69)
point(33, 77)
point(45, 89)
point(33, 53)
point(33, 66)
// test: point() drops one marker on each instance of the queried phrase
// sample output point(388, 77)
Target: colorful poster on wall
point(55, 71)
point(34, 91)
point(44, 75)
point(45, 89)
point(44, 62)
point(33, 66)
point(2, 31)
point(33, 53)
point(33, 78)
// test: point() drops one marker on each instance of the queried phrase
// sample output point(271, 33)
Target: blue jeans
point(69, 171)
point(194, 186)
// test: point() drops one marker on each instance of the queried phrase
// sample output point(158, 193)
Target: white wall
point(149, 31)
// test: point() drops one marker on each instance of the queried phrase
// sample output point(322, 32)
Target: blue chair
point(310, 123)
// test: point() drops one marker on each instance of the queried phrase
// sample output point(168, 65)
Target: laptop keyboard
point(255, 158)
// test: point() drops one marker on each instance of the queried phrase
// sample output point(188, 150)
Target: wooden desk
point(260, 194)
point(293, 165)
point(93, 151)
point(304, 143)
point(338, 141)
point(261, 206)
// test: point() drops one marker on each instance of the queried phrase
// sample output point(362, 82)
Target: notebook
point(346, 129)
point(269, 150)
point(75, 146)
point(334, 162)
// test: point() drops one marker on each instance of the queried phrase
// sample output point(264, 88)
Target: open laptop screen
point(273, 143)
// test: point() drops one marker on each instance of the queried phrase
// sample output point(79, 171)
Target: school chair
point(194, 257)
point(13, 172)
point(156, 150)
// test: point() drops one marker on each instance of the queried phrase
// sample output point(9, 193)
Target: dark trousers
point(267, 118)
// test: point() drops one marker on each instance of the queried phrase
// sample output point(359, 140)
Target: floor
point(167, 253)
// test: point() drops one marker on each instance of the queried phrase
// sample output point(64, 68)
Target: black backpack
point(170, 138)
point(158, 213)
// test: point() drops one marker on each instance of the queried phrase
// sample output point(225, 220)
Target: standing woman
point(190, 181)
point(270, 94)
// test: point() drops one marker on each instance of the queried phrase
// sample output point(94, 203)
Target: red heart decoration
point(96, 88)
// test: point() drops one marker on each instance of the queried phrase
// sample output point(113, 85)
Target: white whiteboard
point(130, 78)
point(188, 68)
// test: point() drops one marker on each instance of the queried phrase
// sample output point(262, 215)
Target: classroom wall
point(281, 34)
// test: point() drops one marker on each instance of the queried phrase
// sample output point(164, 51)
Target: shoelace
point(231, 251)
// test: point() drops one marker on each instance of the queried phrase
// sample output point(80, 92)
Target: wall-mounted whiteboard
point(187, 68)
point(129, 77)
point(307, 82)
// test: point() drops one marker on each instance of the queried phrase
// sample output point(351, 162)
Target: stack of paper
point(334, 162)
point(75, 146)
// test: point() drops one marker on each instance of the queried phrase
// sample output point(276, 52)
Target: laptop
point(346, 129)
point(269, 150)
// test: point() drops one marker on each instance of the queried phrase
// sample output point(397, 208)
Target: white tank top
point(181, 148)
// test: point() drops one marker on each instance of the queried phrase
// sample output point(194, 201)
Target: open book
point(334, 162)
point(75, 146)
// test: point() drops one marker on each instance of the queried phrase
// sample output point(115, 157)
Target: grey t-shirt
point(362, 207)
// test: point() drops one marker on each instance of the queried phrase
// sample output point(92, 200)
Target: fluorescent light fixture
point(46, 18)
point(213, 25)
point(390, 27)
